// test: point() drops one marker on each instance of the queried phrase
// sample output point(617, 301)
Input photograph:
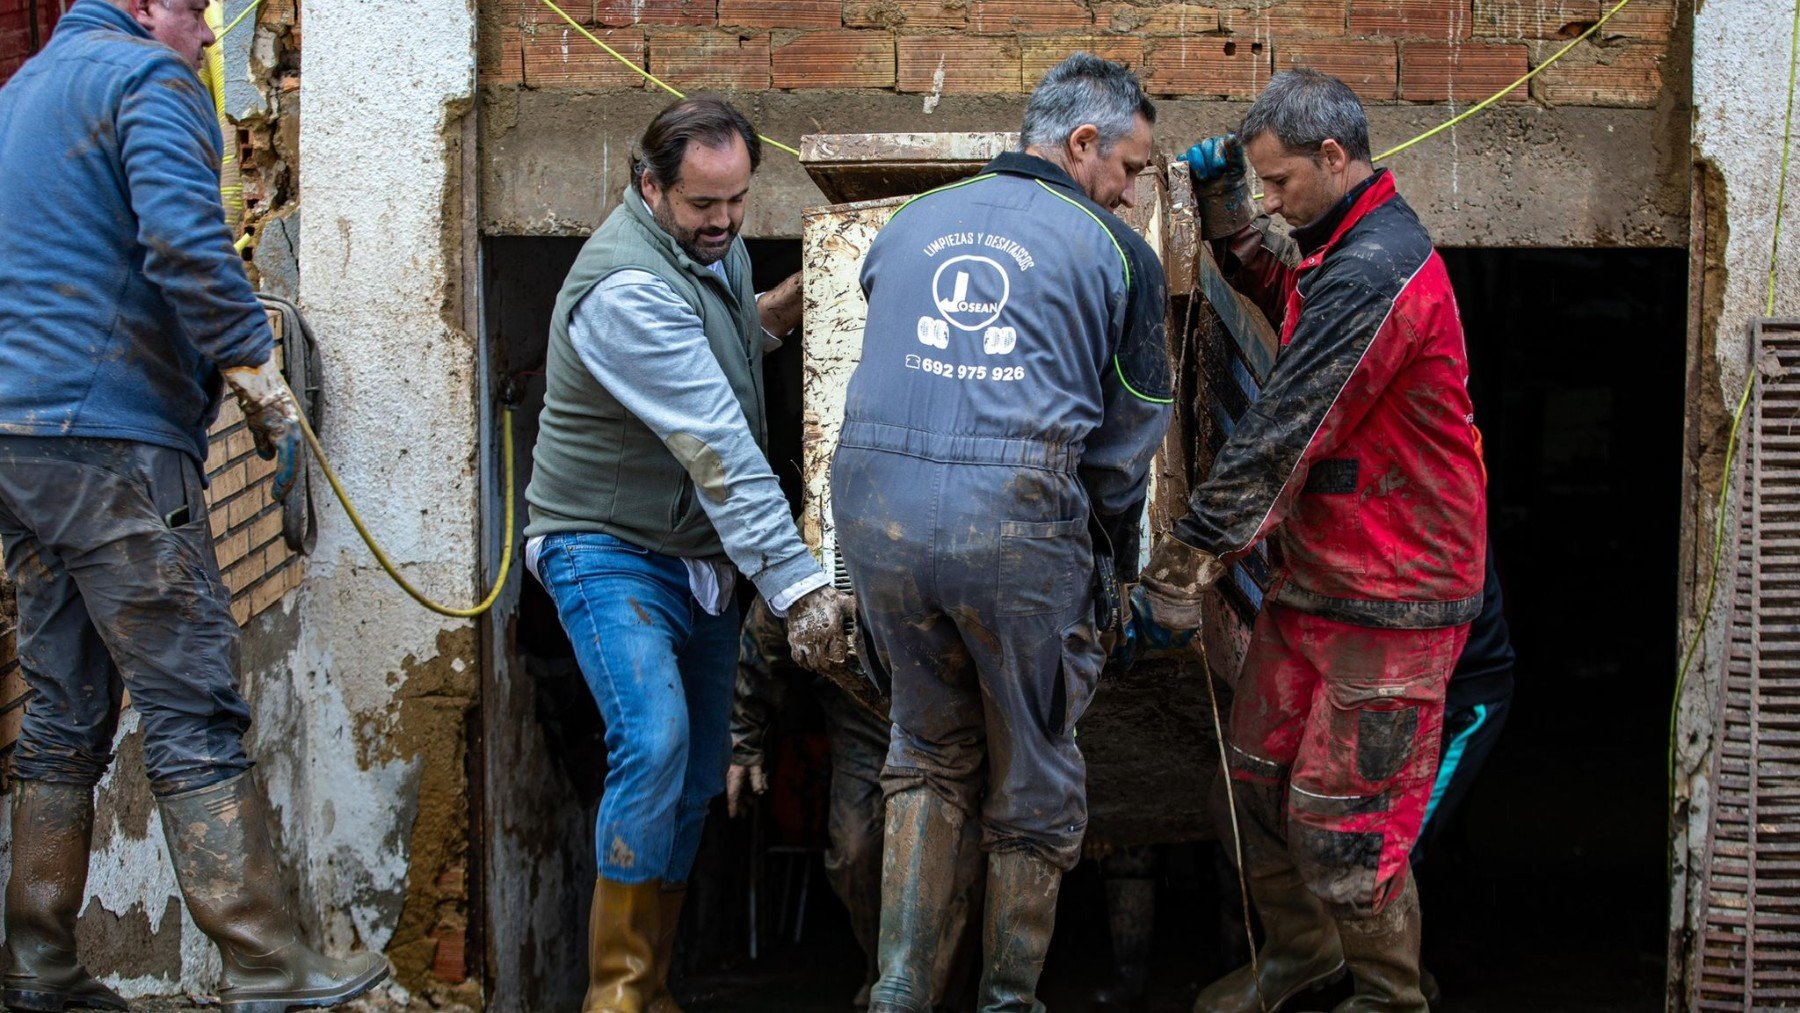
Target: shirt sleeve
point(1342, 356)
point(648, 349)
point(1257, 261)
point(169, 145)
point(1137, 392)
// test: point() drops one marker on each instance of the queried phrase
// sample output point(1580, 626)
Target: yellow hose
point(212, 72)
point(368, 537)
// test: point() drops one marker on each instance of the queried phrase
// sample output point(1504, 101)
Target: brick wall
point(1388, 50)
point(246, 525)
point(18, 38)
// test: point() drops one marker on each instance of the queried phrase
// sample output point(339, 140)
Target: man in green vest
point(650, 495)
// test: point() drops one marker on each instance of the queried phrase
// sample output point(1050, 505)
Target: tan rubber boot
point(1300, 951)
point(1383, 954)
point(918, 875)
point(52, 829)
point(624, 931)
point(218, 839)
point(671, 898)
point(1020, 918)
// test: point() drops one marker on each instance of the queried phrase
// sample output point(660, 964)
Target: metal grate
point(1749, 952)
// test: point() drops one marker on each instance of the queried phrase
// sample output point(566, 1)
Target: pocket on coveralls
point(1381, 716)
point(1037, 570)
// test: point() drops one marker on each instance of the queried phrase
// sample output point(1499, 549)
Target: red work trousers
point(1334, 749)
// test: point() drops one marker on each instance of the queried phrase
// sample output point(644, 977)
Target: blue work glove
point(1143, 634)
point(274, 419)
point(1216, 158)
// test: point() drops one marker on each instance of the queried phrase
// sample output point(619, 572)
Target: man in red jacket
point(1360, 461)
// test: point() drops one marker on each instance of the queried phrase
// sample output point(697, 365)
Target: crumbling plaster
point(1740, 94)
point(553, 163)
point(375, 774)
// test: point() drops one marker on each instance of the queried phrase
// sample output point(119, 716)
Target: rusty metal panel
point(1749, 947)
point(860, 167)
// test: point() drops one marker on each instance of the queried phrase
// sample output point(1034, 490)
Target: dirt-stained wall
point(1740, 87)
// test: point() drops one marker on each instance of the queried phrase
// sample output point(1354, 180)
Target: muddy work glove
point(1144, 635)
point(273, 416)
point(817, 627)
point(1174, 583)
point(1221, 185)
point(739, 777)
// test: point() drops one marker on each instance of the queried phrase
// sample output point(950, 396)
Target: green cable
point(1737, 417)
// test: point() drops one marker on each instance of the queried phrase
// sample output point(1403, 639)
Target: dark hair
point(705, 118)
point(1303, 108)
point(1084, 89)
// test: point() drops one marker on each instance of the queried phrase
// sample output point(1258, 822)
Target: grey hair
point(1303, 108)
point(1085, 89)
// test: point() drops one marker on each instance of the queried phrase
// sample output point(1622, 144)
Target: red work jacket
point(1360, 456)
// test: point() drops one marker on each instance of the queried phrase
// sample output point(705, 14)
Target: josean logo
point(970, 291)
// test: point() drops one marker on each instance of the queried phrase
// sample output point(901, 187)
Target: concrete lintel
point(554, 163)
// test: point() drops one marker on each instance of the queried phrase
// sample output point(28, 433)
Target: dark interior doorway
point(1549, 890)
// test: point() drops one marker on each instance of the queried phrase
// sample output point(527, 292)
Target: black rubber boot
point(918, 875)
point(1300, 953)
point(52, 829)
point(219, 842)
point(1131, 918)
point(1021, 916)
point(1383, 954)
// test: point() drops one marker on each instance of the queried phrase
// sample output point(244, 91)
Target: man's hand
point(1216, 158)
point(273, 416)
point(780, 307)
point(1221, 185)
point(816, 630)
point(1175, 580)
point(737, 778)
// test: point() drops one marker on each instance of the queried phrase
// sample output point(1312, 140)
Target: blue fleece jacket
point(121, 297)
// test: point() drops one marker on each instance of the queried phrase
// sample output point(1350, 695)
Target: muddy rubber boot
point(52, 828)
point(218, 840)
point(624, 934)
point(1383, 954)
point(668, 922)
point(1131, 917)
point(1021, 915)
point(1300, 951)
point(918, 875)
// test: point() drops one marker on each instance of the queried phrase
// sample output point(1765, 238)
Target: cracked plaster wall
point(1740, 88)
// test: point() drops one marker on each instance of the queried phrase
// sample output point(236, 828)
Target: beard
point(707, 247)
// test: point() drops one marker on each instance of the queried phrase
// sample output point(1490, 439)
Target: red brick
point(504, 64)
point(1201, 65)
point(840, 59)
point(1535, 19)
point(966, 64)
point(620, 13)
point(781, 13)
point(1427, 19)
point(1640, 21)
point(525, 13)
point(1168, 19)
point(1289, 17)
point(914, 14)
point(1465, 72)
point(718, 61)
point(1371, 68)
point(1041, 52)
point(1612, 75)
point(564, 58)
point(1000, 16)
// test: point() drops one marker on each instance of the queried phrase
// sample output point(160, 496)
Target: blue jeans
point(662, 672)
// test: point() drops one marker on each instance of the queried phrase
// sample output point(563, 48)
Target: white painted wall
point(381, 84)
point(1741, 54)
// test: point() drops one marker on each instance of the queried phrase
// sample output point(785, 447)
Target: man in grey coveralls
point(1013, 387)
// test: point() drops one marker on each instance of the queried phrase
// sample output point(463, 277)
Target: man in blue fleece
point(123, 312)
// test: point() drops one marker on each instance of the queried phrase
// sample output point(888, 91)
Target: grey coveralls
point(1014, 380)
